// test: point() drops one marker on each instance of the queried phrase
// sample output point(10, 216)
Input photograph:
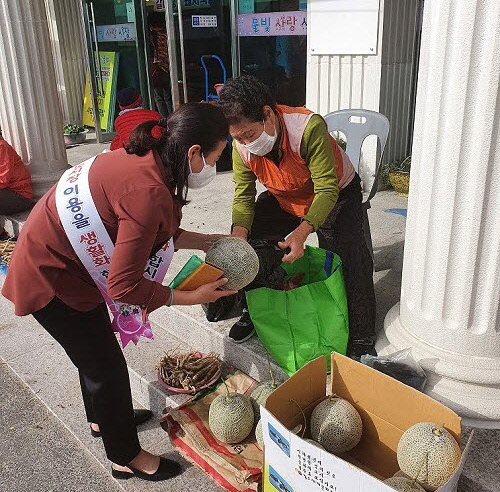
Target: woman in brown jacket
point(138, 193)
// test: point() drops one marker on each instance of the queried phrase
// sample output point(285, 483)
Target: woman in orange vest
point(311, 187)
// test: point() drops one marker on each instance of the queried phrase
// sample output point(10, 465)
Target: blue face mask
point(203, 178)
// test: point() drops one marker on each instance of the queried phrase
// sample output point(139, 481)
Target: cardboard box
point(387, 408)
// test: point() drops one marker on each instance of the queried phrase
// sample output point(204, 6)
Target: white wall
point(380, 82)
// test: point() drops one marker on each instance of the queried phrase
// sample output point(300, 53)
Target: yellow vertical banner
point(105, 86)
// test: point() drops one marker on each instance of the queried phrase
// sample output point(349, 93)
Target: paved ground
point(37, 452)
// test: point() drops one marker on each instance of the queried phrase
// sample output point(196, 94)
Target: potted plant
point(399, 175)
point(74, 134)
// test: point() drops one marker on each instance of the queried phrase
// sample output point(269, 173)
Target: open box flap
point(387, 408)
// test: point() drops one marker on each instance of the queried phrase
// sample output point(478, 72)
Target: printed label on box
point(294, 465)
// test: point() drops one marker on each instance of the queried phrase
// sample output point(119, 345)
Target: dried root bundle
point(190, 370)
point(6, 250)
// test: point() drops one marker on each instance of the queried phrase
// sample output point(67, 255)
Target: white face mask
point(203, 178)
point(262, 145)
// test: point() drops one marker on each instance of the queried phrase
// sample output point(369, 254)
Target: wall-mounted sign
point(344, 27)
point(116, 32)
point(273, 24)
point(203, 21)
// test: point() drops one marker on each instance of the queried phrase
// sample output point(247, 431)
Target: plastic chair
point(356, 125)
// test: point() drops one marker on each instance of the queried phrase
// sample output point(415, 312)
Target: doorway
point(117, 55)
point(157, 46)
point(196, 29)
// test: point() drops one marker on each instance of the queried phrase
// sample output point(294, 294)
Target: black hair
point(244, 98)
point(192, 124)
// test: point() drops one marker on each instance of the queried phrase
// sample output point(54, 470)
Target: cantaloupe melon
point(231, 418)
point(258, 435)
point(236, 258)
point(428, 453)
point(259, 395)
point(336, 425)
point(404, 484)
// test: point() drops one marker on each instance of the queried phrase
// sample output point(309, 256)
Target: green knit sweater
point(317, 152)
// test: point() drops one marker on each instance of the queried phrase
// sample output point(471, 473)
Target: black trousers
point(89, 341)
point(12, 202)
point(341, 233)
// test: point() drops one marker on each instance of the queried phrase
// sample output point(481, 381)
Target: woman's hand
point(295, 241)
point(205, 293)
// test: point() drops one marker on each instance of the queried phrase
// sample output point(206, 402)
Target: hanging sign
point(106, 92)
point(273, 24)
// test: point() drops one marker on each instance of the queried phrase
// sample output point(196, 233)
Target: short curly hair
point(244, 98)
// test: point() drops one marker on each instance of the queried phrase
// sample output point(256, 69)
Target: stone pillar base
point(463, 383)
point(43, 182)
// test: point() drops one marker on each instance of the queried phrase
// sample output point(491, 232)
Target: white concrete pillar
point(30, 114)
point(450, 298)
point(68, 47)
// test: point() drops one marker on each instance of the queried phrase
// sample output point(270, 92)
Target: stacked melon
point(403, 484)
point(336, 425)
point(231, 417)
point(428, 454)
point(236, 258)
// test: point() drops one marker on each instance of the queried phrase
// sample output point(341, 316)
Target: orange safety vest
point(291, 181)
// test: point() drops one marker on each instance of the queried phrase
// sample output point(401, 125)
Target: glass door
point(199, 30)
point(117, 53)
point(272, 38)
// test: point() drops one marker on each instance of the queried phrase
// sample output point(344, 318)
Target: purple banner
point(273, 24)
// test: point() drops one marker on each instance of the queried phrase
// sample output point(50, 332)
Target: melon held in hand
point(236, 258)
point(231, 418)
point(429, 454)
point(336, 425)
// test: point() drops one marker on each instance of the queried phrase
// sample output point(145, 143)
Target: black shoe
point(357, 349)
point(167, 469)
point(243, 329)
point(141, 415)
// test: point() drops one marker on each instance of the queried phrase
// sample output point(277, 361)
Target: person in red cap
point(131, 114)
